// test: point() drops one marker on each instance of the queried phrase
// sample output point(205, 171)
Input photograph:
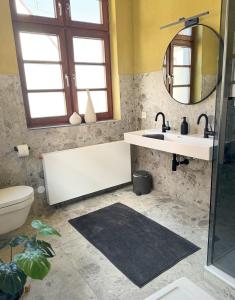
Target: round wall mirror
point(190, 66)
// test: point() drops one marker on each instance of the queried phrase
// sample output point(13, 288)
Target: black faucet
point(164, 126)
point(207, 132)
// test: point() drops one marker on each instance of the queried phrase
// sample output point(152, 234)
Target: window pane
point(182, 55)
point(43, 76)
point(99, 99)
point(42, 8)
point(41, 47)
point(181, 75)
point(47, 104)
point(181, 94)
point(90, 77)
point(88, 50)
point(89, 11)
point(186, 31)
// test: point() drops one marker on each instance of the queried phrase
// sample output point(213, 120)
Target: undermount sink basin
point(187, 145)
point(154, 136)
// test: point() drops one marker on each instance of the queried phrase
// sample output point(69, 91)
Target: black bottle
point(184, 127)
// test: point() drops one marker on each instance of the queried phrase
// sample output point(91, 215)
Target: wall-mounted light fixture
point(187, 21)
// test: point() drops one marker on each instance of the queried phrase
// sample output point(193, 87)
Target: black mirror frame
point(218, 77)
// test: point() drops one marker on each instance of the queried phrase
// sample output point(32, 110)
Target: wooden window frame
point(99, 35)
point(65, 28)
point(179, 40)
point(38, 19)
point(83, 25)
point(44, 29)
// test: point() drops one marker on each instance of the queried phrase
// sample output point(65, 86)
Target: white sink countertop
point(194, 145)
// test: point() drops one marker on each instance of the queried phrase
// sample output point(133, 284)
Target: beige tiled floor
point(81, 272)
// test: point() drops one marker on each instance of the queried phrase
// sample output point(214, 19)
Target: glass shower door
point(221, 250)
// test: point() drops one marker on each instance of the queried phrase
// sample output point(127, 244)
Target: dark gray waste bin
point(142, 182)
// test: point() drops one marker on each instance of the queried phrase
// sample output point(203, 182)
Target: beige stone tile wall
point(189, 183)
point(13, 131)
point(145, 93)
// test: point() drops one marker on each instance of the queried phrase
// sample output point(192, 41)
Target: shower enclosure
point(221, 248)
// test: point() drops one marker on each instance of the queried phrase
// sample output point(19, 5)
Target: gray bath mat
point(139, 247)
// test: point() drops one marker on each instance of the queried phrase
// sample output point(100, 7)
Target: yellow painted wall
point(150, 42)
point(140, 42)
point(8, 61)
point(210, 53)
point(124, 17)
point(121, 29)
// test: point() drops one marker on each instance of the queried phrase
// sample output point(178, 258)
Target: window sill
point(114, 121)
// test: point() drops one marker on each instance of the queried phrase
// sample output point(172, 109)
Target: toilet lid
point(13, 195)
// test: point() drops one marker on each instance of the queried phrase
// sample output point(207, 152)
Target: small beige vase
point(75, 119)
point(90, 115)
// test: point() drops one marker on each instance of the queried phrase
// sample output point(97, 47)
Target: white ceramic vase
point(90, 115)
point(75, 119)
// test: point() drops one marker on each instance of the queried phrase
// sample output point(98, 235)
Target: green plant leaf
point(33, 263)
point(44, 229)
point(43, 246)
point(13, 242)
point(46, 248)
point(18, 240)
point(12, 279)
point(31, 244)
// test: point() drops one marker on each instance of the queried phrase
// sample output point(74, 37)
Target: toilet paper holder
point(16, 149)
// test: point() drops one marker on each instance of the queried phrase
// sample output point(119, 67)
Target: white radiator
point(81, 171)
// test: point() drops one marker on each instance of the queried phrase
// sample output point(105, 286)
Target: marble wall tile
point(192, 182)
point(152, 97)
point(13, 131)
point(146, 92)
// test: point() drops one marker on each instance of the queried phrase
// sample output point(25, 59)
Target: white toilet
point(15, 204)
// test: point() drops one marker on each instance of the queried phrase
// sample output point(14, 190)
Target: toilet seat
point(14, 195)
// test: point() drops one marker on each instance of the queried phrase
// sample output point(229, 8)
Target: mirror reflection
point(191, 64)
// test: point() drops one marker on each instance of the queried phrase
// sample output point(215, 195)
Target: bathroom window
point(63, 49)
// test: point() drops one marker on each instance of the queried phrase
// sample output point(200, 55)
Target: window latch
point(60, 9)
point(68, 8)
point(66, 76)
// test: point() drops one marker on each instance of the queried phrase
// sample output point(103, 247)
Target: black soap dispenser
point(184, 127)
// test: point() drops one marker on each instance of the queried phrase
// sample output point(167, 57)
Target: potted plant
point(32, 261)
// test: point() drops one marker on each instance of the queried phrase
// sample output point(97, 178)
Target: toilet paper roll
point(23, 150)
